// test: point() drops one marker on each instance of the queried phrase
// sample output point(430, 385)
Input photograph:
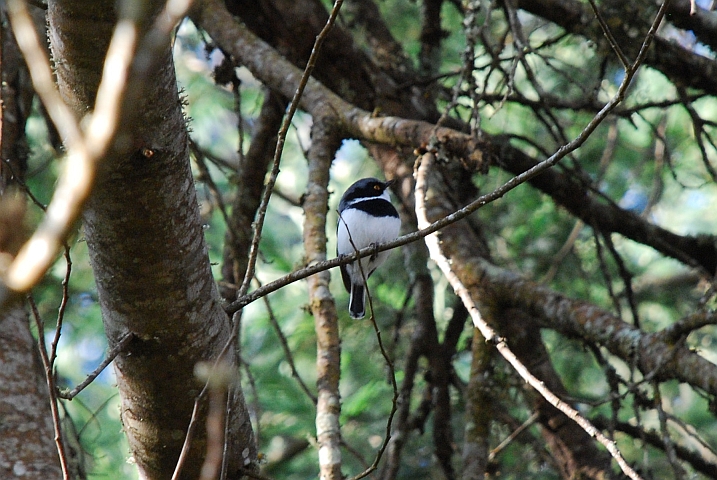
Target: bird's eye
point(377, 187)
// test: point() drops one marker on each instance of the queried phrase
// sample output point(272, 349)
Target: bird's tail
point(356, 307)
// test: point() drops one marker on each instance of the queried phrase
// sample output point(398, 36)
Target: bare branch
point(39, 66)
point(434, 248)
point(281, 139)
point(608, 34)
point(285, 346)
point(50, 379)
point(119, 347)
point(86, 148)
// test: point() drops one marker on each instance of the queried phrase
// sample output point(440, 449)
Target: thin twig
point(220, 379)
point(206, 177)
point(50, 380)
point(184, 453)
point(63, 306)
point(610, 38)
point(119, 347)
point(667, 443)
point(394, 401)
point(19, 181)
point(285, 346)
point(281, 139)
point(514, 434)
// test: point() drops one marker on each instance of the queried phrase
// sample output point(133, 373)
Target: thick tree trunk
point(149, 256)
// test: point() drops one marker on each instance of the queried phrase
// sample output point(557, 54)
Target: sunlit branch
point(41, 74)
point(432, 242)
point(324, 144)
point(126, 69)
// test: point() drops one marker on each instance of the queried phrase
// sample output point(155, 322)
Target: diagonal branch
point(487, 331)
point(114, 351)
point(281, 139)
point(126, 71)
point(50, 379)
point(681, 66)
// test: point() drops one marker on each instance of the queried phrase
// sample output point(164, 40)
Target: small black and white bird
point(366, 217)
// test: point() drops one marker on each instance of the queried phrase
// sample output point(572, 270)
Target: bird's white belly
point(365, 230)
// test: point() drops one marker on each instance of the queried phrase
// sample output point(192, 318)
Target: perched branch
point(267, 65)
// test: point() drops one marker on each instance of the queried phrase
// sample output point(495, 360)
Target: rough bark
point(659, 355)
point(148, 254)
point(290, 27)
point(27, 449)
point(571, 194)
point(16, 101)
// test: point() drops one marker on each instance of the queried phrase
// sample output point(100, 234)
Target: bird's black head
point(364, 188)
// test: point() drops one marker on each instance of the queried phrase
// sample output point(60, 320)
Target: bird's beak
point(389, 183)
